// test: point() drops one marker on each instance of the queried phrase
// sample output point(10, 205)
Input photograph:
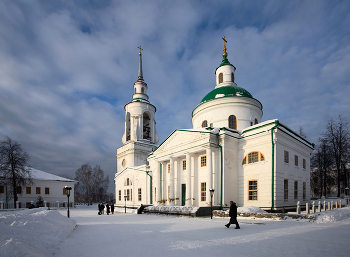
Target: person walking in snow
point(233, 215)
point(107, 207)
point(112, 208)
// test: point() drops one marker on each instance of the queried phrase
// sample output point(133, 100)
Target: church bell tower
point(140, 135)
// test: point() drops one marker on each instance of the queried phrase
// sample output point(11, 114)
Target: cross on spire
point(224, 54)
point(140, 49)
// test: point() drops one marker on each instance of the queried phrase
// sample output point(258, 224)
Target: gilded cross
point(140, 48)
point(224, 41)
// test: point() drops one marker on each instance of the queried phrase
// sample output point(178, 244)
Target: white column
point(209, 183)
point(132, 128)
point(158, 184)
point(165, 187)
point(188, 181)
point(178, 180)
point(171, 183)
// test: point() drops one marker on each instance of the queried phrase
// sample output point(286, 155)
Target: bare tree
point(93, 185)
point(14, 165)
point(338, 135)
point(302, 133)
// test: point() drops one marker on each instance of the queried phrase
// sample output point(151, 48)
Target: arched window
point(232, 77)
point(256, 121)
point(253, 157)
point(204, 124)
point(221, 78)
point(142, 90)
point(135, 90)
point(232, 122)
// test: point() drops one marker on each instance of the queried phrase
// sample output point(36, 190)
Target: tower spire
point(140, 75)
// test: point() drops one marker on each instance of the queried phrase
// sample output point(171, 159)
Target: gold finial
point(140, 50)
point(224, 54)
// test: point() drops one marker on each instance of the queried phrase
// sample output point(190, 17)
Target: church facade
point(230, 152)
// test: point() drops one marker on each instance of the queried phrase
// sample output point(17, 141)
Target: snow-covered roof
point(42, 175)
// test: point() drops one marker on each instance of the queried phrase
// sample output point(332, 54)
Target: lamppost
point(125, 196)
point(211, 202)
point(347, 195)
point(68, 194)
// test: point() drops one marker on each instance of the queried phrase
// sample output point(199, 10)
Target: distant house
point(50, 187)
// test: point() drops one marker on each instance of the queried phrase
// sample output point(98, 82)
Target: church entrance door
point(183, 191)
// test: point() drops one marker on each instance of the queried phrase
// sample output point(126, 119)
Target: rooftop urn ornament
point(225, 53)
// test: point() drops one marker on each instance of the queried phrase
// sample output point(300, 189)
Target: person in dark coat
point(233, 215)
point(140, 210)
point(99, 209)
point(112, 208)
point(107, 207)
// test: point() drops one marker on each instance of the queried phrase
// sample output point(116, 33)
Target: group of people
point(109, 209)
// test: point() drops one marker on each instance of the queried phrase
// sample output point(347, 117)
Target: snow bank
point(32, 232)
point(333, 215)
point(250, 209)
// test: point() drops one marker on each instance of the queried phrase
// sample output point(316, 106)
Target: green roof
point(226, 91)
point(225, 61)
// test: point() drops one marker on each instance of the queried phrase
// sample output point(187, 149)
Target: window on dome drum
point(38, 190)
point(295, 189)
point(135, 90)
point(296, 160)
point(256, 121)
point(142, 90)
point(286, 156)
point(304, 190)
point(253, 190)
point(203, 161)
point(28, 190)
point(285, 190)
point(253, 157)
point(203, 191)
point(184, 165)
point(139, 194)
point(232, 122)
point(232, 77)
point(204, 124)
point(221, 78)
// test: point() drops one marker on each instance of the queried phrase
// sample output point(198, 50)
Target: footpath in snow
point(40, 232)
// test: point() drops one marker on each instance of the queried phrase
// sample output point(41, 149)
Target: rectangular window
point(168, 167)
point(295, 189)
point(128, 194)
point(184, 165)
point(120, 195)
point(304, 190)
point(203, 191)
point(139, 194)
point(296, 160)
point(47, 190)
point(253, 190)
point(38, 190)
point(203, 161)
point(19, 190)
point(28, 190)
point(64, 191)
point(286, 156)
point(2, 189)
point(304, 164)
point(28, 204)
point(286, 189)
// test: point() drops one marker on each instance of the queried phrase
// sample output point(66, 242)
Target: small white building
point(50, 187)
point(229, 149)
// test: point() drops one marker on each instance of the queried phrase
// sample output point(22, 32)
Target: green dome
point(225, 92)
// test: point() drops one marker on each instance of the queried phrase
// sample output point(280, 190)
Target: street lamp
point(67, 188)
point(211, 202)
point(125, 196)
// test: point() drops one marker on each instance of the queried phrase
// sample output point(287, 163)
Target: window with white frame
point(203, 160)
point(295, 189)
point(286, 156)
point(253, 190)
point(285, 189)
point(184, 165)
point(304, 190)
point(203, 191)
point(120, 195)
point(139, 193)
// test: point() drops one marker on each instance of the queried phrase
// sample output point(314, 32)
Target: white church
point(230, 150)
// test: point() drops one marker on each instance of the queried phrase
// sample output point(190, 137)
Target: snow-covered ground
point(39, 232)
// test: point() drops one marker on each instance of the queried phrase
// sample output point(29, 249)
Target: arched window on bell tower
point(142, 90)
point(232, 77)
point(221, 78)
point(232, 122)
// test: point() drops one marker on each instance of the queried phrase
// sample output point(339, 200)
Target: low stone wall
point(266, 215)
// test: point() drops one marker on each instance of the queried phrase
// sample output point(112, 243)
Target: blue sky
point(67, 68)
